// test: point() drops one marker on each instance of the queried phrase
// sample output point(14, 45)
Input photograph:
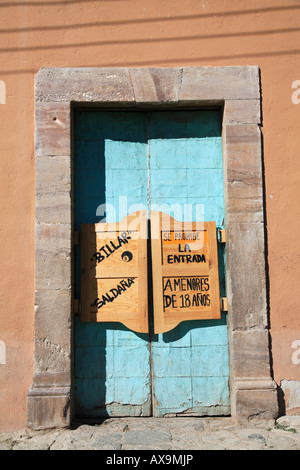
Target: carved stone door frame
point(237, 90)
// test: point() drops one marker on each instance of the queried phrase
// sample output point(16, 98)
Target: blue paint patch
point(172, 396)
point(211, 391)
point(205, 183)
point(119, 156)
point(210, 332)
point(127, 183)
point(130, 391)
point(205, 152)
point(210, 361)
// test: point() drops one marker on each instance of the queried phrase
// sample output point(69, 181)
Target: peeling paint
point(291, 389)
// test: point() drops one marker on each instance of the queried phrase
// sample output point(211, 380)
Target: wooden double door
point(172, 162)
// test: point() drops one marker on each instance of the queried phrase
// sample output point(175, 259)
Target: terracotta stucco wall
point(62, 33)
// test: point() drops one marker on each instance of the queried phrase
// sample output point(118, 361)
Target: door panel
point(112, 363)
point(190, 363)
point(162, 161)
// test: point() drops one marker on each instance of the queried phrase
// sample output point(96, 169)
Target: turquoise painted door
point(190, 363)
point(169, 161)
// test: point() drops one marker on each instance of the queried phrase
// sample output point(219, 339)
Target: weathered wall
point(76, 33)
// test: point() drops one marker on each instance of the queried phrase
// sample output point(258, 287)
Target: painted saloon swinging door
point(114, 272)
point(150, 338)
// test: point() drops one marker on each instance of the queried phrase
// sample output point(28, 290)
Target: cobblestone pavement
point(161, 434)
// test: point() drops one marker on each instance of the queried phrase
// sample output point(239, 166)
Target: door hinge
point(222, 235)
point(76, 238)
point(224, 304)
point(77, 306)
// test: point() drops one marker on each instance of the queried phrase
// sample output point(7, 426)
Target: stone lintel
point(147, 85)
